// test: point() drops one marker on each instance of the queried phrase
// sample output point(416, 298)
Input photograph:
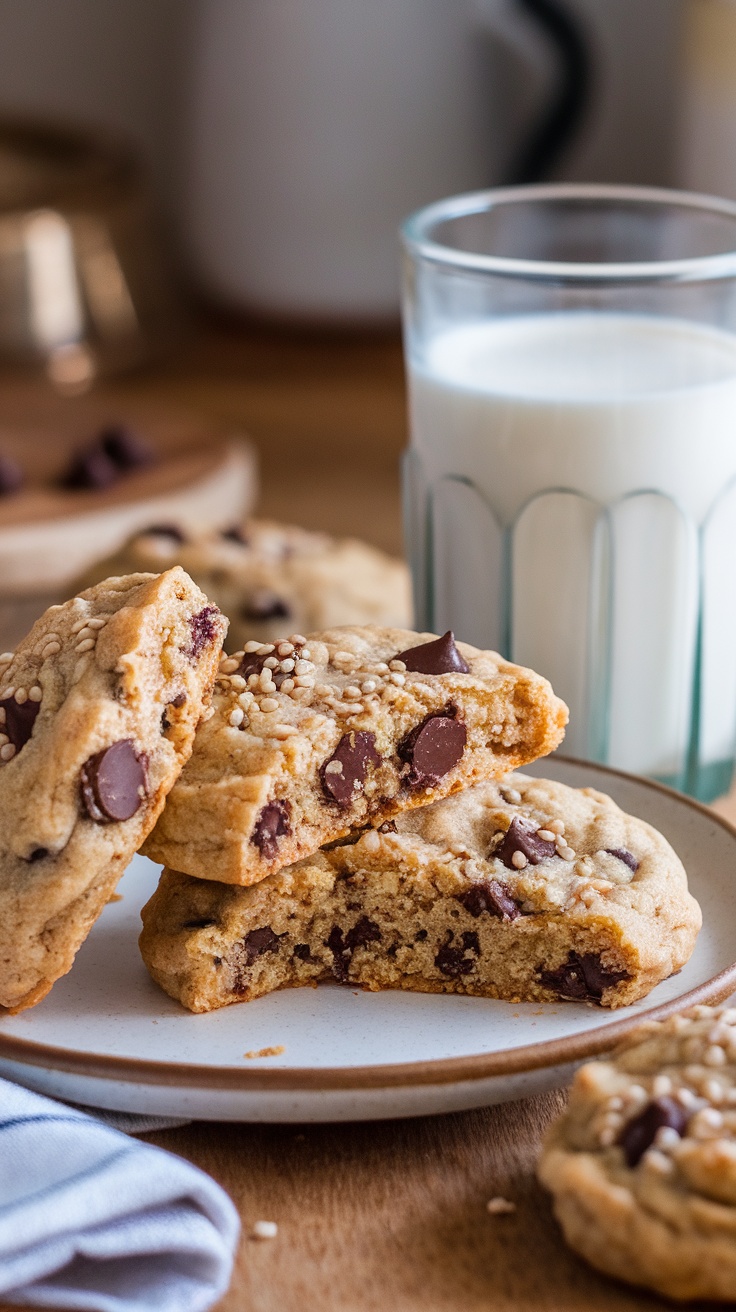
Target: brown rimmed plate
point(108, 1037)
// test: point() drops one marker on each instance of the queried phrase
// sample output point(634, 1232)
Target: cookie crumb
point(500, 1206)
point(264, 1230)
point(266, 1052)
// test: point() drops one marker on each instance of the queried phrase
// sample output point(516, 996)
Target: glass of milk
point(570, 487)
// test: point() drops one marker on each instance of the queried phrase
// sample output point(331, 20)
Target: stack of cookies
point(348, 813)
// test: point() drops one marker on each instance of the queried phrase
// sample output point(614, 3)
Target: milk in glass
point(578, 469)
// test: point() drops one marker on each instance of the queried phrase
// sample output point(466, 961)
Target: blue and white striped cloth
point(92, 1219)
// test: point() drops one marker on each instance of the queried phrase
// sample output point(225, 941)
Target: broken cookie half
point(519, 889)
point(98, 710)
point(313, 738)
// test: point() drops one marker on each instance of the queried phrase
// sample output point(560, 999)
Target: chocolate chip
point(114, 782)
point(340, 954)
point(125, 447)
point(37, 854)
point(353, 754)
point(452, 961)
point(420, 936)
point(11, 476)
point(19, 720)
point(302, 951)
point(623, 854)
point(91, 469)
point(205, 923)
point(265, 605)
point(433, 747)
point(582, 978)
point(176, 703)
point(203, 627)
point(520, 837)
point(363, 932)
point(235, 534)
point(179, 700)
point(639, 1133)
point(471, 942)
point(271, 825)
point(257, 942)
point(440, 656)
point(491, 896)
point(164, 531)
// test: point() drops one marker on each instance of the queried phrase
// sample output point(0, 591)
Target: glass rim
point(414, 230)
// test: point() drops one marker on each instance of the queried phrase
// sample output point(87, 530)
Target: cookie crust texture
point(642, 1165)
point(129, 666)
point(436, 902)
point(271, 578)
point(264, 786)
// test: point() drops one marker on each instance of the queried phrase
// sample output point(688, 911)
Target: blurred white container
point(707, 139)
point(317, 126)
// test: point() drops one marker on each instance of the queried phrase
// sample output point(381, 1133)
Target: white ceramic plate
point(108, 1037)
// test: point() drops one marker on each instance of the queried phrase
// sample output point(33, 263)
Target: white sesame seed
point(250, 648)
point(304, 681)
point(86, 645)
point(7, 656)
point(303, 667)
point(238, 682)
point(7, 692)
point(547, 835)
point(661, 1085)
point(265, 1230)
point(265, 682)
point(351, 708)
point(287, 685)
point(513, 796)
point(382, 668)
point(519, 860)
point(269, 704)
point(343, 656)
point(86, 632)
point(351, 693)
point(397, 665)
point(658, 1162)
point(666, 1137)
point(264, 649)
point(728, 1015)
point(236, 717)
point(285, 649)
point(7, 752)
point(297, 639)
point(35, 694)
point(287, 666)
point(713, 1090)
point(51, 649)
point(21, 696)
point(271, 663)
point(714, 1056)
point(686, 1097)
point(500, 1206)
point(254, 680)
point(80, 624)
point(567, 853)
point(368, 686)
point(306, 653)
point(97, 622)
point(79, 668)
point(557, 826)
point(398, 679)
point(283, 730)
point(228, 665)
point(334, 767)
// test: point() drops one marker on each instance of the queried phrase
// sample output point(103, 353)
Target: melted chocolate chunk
point(353, 754)
point(252, 663)
point(206, 922)
point(471, 942)
point(203, 628)
point(433, 748)
point(164, 531)
point(235, 534)
point(125, 447)
point(271, 825)
point(114, 782)
point(11, 476)
point(340, 954)
point(639, 1133)
point(257, 943)
point(491, 896)
point(363, 931)
point(440, 656)
point(582, 978)
point(176, 703)
point(37, 854)
point(452, 960)
point(19, 720)
point(623, 854)
point(522, 838)
point(420, 936)
point(91, 469)
point(301, 950)
point(265, 605)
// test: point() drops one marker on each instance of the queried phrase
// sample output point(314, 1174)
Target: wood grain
point(384, 1214)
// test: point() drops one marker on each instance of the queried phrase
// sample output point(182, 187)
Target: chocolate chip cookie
point(98, 708)
point(519, 889)
point(272, 578)
point(314, 737)
point(642, 1165)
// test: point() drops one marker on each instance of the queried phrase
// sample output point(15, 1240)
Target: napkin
point(92, 1219)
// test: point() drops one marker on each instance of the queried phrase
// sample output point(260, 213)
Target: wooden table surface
point(383, 1213)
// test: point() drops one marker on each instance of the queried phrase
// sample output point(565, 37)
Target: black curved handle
point(568, 107)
